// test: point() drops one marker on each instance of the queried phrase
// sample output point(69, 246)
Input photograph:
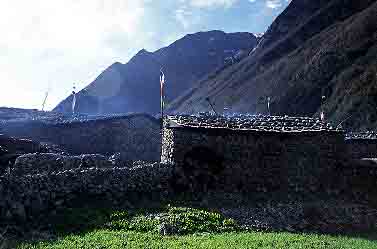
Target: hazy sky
point(51, 44)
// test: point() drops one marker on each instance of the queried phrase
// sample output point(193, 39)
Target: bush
point(122, 220)
point(178, 219)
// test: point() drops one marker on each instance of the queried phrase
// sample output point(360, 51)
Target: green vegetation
point(193, 228)
point(181, 220)
point(104, 238)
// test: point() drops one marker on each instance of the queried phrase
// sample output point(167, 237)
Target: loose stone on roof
point(252, 122)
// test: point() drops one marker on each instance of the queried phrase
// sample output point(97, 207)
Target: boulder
point(167, 229)
point(94, 161)
point(19, 146)
point(11, 148)
point(116, 159)
point(6, 159)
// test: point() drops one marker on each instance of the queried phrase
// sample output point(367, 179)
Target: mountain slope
point(313, 48)
point(134, 87)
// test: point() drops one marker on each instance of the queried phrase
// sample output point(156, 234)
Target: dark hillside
point(331, 49)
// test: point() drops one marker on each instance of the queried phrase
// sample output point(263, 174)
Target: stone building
point(362, 144)
point(259, 153)
point(134, 136)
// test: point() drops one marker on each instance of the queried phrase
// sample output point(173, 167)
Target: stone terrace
point(252, 123)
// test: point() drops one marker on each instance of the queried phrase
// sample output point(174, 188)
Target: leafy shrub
point(190, 220)
point(178, 220)
point(183, 220)
point(121, 220)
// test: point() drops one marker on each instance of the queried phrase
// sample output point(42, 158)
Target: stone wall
point(13, 145)
point(11, 148)
point(358, 177)
point(136, 137)
point(26, 197)
point(260, 161)
point(362, 148)
point(264, 164)
point(47, 163)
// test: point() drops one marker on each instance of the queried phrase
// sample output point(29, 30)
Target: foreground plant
point(173, 220)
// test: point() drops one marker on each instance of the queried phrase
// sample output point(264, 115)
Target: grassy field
point(125, 239)
point(194, 228)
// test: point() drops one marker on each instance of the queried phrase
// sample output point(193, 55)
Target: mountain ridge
point(134, 86)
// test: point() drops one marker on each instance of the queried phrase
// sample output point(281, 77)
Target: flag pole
point(213, 109)
point(44, 101)
point(162, 102)
point(162, 82)
point(322, 108)
point(73, 100)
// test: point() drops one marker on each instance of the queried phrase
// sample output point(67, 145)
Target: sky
point(51, 45)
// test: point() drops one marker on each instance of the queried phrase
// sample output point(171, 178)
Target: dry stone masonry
point(261, 156)
point(252, 123)
point(27, 197)
point(362, 144)
point(39, 163)
point(135, 137)
point(254, 153)
point(11, 148)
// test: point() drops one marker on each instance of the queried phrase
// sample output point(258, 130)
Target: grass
point(104, 238)
point(193, 227)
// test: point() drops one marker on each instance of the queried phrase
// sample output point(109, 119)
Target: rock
point(166, 229)
point(290, 229)
point(3, 151)
point(52, 148)
point(94, 160)
point(59, 203)
point(19, 146)
point(115, 159)
point(6, 161)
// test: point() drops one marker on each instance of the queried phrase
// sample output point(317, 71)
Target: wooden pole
point(162, 83)
point(162, 106)
point(213, 109)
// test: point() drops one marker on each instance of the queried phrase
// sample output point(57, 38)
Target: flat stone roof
point(16, 115)
point(365, 135)
point(251, 123)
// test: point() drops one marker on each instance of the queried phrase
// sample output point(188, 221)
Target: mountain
point(313, 49)
point(135, 87)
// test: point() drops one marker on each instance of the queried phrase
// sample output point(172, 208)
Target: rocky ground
point(325, 217)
